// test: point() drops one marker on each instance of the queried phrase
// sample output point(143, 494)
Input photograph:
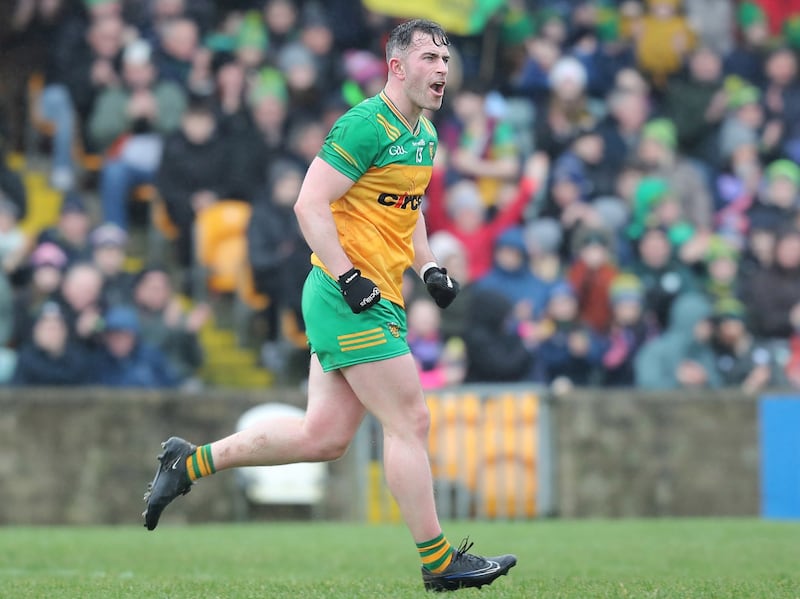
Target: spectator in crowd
point(782, 100)
point(741, 361)
point(777, 202)
point(746, 59)
point(164, 324)
point(128, 124)
point(772, 292)
point(697, 104)
point(510, 274)
point(630, 329)
point(712, 22)
point(658, 153)
point(265, 139)
point(682, 356)
point(568, 352)
point(80, 299)
point(192, 173)
point(590, 275)
point(494, 349)
point(47, 263)
point(50, 357)
point(87, 68)
point(460, 211)
point(109, 254)
point(441, 362)
point(282, 21)
point(480, 142)
point(721, 262)
point(301, 70)
point(566, 110)
point(71, 231)
point(628, 111)
point(663, 38)
point(125, 360)
point(663, 276)
point(451, 254)
point(543, 242)
point(278, 253)
point(178, 57)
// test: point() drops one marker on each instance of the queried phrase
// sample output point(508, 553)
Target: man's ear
point(396, 68)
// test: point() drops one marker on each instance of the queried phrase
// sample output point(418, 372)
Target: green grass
point(714, 559)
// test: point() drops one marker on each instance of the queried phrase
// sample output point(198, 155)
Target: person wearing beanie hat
point(71, 231)
point(251, 41)
point(631, 327)
point(658, 153)
point(741, 361)
point(662, 274)
point(590, 274)
point(48, 356)
point(109, 254)
point(124, 360)
point(568, 352)
point(778, 198)
point(722, 279)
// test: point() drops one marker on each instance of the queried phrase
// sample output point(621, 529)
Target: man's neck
point(401, 102)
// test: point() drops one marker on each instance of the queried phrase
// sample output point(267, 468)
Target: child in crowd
point(441, 362)
point(568, 352)
point(630, 329)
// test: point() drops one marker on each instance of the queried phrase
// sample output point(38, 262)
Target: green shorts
point(341, 338)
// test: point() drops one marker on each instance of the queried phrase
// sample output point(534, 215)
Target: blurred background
point(616, 189)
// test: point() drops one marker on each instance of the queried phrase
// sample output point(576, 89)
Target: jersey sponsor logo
point(405, 201)
point(397, 151)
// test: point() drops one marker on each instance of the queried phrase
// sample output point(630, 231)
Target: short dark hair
point(401, 36)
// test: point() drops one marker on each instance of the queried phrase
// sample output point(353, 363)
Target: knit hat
point(784, 168)
point(121, 318)
point(791, 31)
point(626, 286)
point(109, 235)
point(661, 130)
point(568, 68)
point(517, 27)
point(720, 248)
point(48, 254)
point(561, 289)
point(543, 235)
point(749, 13)
point(252, 32)
point(607, 25)
point(72, 203)
point(728, 308)
point(268, 83)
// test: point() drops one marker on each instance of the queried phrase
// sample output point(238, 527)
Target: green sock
point(436, 554)
point(200, 463)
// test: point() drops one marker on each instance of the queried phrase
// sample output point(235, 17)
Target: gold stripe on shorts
point(362, 339)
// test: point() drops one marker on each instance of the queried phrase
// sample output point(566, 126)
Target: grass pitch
point(692, 558)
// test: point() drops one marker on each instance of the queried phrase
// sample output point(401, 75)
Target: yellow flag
point(460, 17)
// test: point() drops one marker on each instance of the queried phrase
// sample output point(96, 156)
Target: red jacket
point(592, 290)
point(478, 244)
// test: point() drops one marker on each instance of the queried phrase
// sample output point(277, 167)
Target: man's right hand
point(359, 292)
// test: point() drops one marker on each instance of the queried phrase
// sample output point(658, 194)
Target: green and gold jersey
point(390, 163)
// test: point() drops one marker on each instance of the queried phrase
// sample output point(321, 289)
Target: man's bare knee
point(321, 449)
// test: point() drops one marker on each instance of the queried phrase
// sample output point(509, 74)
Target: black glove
point(442, 288)
point(359, 292)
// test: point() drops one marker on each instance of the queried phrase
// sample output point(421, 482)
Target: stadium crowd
point(616, 185)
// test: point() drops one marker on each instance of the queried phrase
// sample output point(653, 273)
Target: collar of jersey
point(386, 100)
